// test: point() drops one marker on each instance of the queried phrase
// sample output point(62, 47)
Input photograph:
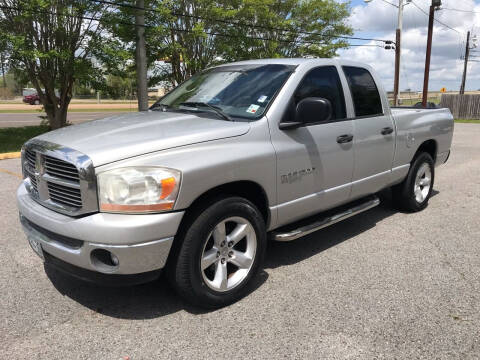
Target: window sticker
point(262, 99)
point(252, 109)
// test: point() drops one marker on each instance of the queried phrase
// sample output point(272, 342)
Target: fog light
point(104, 261)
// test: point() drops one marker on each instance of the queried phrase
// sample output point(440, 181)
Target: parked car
point(238, 154)
point(33, 99)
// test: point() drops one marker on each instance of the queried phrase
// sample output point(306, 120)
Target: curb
point(11, 155)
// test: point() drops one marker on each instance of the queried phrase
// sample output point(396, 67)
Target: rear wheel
point(37, 102)
point(221, 252)
point(415, 191)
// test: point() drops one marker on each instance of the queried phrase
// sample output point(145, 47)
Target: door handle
point(342, 139)
point(387, 131)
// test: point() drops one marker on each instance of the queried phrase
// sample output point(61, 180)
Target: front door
point(314, 168)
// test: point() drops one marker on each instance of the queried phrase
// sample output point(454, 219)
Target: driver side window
point(323, 82)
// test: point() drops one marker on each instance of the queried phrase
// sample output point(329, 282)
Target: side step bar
point(330, 220)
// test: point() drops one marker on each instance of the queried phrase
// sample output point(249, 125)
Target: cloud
point(379, 20)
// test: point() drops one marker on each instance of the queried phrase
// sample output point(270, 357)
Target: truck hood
point(127, 135)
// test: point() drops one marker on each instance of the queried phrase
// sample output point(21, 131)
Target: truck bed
point(415, 126)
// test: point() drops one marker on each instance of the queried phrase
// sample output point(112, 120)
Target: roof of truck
point(298, 61)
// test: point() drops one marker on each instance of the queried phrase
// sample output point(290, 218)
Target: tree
point(251, 29)
point(191, 35)
point(52, 41)
point(4, 57)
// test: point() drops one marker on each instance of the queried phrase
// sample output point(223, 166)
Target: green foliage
point(12, 139)
point(50, 42)
point(55, 45)
point(231, 30)
point(119, 87)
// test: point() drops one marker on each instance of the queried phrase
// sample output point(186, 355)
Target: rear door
point(374, 133)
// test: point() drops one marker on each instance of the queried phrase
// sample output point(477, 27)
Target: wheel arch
point(247, 189)
point(430, 147)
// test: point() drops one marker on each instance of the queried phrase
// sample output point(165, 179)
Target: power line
point(461, 10)
point(389, 3)
point(303, 42)
point(423, 11)
point(262, 38)
point(241, 24)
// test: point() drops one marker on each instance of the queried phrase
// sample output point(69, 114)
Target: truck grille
point(59, 178)
point(65, 195)
point(30, 169)
point(61, 169)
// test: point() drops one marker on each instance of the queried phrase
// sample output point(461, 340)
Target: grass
point(467, 121)
point(12, 139)
point(70, 111)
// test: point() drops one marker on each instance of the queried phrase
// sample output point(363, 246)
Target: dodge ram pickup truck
point(236, 155)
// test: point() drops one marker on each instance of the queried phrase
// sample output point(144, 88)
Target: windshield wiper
point(159, 105)
point(211, 107)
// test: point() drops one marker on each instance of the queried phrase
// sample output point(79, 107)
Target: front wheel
point(415, 191)
point(221, 252)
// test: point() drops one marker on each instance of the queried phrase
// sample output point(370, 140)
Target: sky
point(377, 19)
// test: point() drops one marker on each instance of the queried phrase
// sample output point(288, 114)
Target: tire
point(211, 267)
point(413, 193)
point(37, 102)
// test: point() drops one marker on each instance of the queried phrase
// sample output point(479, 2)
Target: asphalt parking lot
point(383, 284)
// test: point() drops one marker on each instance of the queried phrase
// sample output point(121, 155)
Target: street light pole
point(398, 48)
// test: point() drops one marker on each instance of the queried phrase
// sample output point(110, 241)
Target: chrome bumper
point(140, 243)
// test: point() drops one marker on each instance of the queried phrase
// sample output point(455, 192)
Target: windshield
point(242, 91)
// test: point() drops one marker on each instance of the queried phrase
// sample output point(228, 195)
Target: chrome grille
point(29, 168)
point(33, 181)
point(61, 169)
point(60, 178)
point(64, 195)
point(31, 158)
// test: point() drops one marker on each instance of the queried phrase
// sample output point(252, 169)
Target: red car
point(33, 99)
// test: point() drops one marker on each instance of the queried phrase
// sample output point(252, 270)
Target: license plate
point(36, 246)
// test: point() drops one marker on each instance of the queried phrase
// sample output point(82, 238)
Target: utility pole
point(398, 53)
point(141, 57)
point(467, 54)
point(435, 3)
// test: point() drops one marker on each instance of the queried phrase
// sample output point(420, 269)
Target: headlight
point(138, 189)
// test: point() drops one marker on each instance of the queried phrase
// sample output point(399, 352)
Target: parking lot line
point(11, 173)
point(10, 155)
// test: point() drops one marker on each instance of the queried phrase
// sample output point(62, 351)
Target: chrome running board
point(327, 221)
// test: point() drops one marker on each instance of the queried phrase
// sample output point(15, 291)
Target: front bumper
point(140, 243)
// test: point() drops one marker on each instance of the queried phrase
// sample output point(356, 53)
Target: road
point(383, 284)
point(28, 119)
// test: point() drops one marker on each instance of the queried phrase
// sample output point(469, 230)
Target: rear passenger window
point(366, 98)
point(323, 82)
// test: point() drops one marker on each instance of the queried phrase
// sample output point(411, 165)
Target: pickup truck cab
point(238, 154)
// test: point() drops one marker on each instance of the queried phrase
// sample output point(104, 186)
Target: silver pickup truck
point(238, 154)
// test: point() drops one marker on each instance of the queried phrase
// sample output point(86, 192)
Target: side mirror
point(309, 110)
point(313, 109)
